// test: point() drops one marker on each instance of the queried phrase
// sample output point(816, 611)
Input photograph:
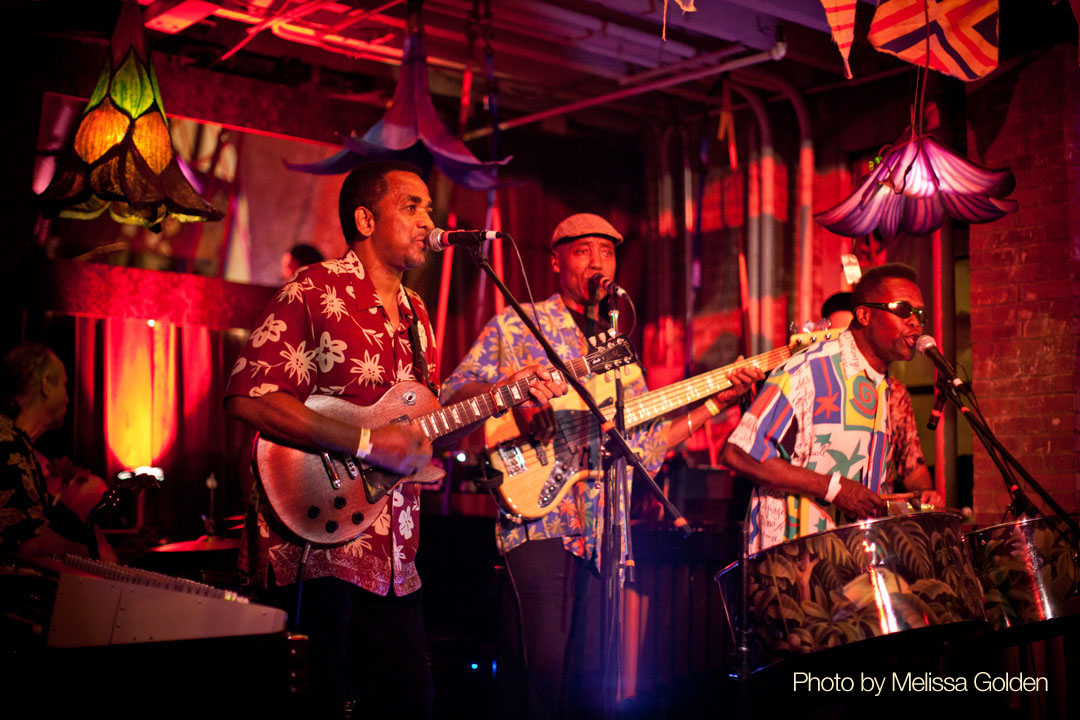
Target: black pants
point(558, 673)
point(361, 646)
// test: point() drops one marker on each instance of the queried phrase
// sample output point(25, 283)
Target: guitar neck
point(658, 402)
point(453, 417)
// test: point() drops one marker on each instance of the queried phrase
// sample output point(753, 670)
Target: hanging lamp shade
point(918, 183)
point(411, 129)
point(122, 158)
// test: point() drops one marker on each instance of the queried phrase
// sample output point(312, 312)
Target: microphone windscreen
point(924, 343)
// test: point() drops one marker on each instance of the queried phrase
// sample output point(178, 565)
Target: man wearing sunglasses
point(817, 437)
point(906, 464)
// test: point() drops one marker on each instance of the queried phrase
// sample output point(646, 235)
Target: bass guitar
point(536, 476)
point(330, 498)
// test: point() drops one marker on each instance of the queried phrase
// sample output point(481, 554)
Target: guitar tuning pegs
point(609, 376)
point(626, 370)
point(592, 340)
point(611, 333)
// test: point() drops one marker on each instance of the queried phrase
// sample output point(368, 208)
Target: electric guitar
point(536, 476)
point(331, 498)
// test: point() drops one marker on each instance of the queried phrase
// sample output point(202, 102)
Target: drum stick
point(891, 497)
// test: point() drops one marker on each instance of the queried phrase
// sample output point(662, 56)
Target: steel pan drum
point(1027, 570)
point(855, 582)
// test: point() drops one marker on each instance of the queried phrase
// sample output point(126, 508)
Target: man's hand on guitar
point(540, 423)
point(744, 378)
point(400, 447)
point(857, 500)
point(542, 388)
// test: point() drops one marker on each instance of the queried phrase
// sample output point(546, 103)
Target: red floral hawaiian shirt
point(327, 333)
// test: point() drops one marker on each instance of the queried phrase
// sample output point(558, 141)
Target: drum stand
point(1010, 467)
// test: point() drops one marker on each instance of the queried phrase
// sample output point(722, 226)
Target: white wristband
point(363, 448)
point(834, 487)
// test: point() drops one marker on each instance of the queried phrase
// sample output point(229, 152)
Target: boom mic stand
point(1010, 467)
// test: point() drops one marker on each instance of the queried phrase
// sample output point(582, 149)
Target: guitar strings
point(581, 427)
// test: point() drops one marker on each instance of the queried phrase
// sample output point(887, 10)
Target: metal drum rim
point(858, 523)
point(1014, 524)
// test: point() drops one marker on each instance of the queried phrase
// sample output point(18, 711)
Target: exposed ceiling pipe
point(681, 65)
point(804, 311)
point(765, 253)
point(776, 52)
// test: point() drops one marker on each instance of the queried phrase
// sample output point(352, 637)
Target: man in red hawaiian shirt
point(342, 327)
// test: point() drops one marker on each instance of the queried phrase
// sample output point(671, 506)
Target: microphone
point(928, 347)
point(599, 282)
point(438, 240)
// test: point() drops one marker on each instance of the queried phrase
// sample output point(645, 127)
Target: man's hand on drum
point(931, 498)
point(857, 500)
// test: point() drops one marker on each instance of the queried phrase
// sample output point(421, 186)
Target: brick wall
point(1024, 280)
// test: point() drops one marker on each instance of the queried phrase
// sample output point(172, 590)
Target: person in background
point(33, 400)
point(297, 257)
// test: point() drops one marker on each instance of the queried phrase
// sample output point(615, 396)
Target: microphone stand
point(615, 562)
point(616, 442)
point(1021, 504)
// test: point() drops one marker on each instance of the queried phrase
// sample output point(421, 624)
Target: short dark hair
point(305, 254)
point(836, 302)
point(363, 187)
point(871, 283)
point(21, 369)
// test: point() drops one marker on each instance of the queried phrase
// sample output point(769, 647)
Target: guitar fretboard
point(658, 402)
point(480, 407)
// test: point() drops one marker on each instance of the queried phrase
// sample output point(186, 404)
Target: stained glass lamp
point(122, 158)
point(917, 183)
point(411, 129)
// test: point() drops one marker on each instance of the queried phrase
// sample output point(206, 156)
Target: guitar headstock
point(800, 341)
point(610, 351)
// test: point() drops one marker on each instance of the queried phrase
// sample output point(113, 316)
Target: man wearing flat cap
point(554, 561)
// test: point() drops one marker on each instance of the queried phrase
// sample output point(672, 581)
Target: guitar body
point(537, 476)
point(300, 489)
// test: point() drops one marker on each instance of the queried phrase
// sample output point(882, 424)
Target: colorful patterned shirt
point(905, 450)
point(825, 410)
point(327, 333)
point(506, 345)
point(23, 494)
point(27, 509)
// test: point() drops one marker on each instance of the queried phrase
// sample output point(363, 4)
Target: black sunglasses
point(900, 308)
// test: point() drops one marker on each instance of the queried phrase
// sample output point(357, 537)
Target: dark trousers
point(557, 674)
point(361, 646)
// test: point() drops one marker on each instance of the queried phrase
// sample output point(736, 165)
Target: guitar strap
point(419, 361)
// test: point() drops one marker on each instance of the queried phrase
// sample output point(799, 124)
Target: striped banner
point(841, 17)
point(963, 34)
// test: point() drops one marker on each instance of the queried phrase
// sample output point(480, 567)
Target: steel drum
point(855, 582)
point(1028, 572)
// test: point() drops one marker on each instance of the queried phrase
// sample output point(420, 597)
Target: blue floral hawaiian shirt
point(506, 345)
